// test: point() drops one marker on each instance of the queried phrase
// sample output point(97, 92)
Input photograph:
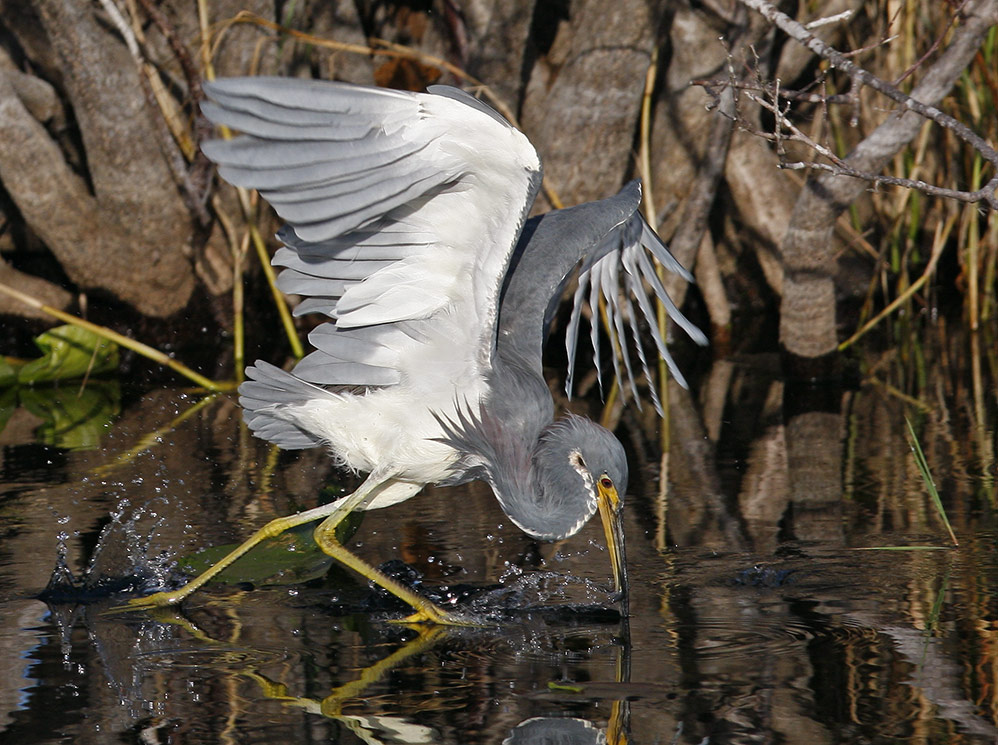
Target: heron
point(406, 227)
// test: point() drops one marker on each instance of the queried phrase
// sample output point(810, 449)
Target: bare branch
point(840, 167)
point(711, 86)
point(845, 15)
point(840, 61)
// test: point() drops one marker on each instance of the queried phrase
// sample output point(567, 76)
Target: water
point(757, 612)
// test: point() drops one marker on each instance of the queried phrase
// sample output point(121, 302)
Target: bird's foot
point(150, 602)
point(433, 615)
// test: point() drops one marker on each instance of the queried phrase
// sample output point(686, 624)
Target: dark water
point(757, 615)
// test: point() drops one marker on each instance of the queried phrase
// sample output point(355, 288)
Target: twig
point(974, 197)
point(840, 167)
point(795, 30)
point(693, 221)
point(268, 270)
point(845, 15)
point(935, 45)
point(136, 346)
point(119, 22)
point(648, 207)
point(151, 85)
point(791, 95)
point(199, 175)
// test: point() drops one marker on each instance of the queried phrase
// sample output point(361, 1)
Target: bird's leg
point(334, 511)
point(332, 705)
point(426, 611)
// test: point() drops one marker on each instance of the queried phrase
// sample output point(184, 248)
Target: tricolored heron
point(407, 227)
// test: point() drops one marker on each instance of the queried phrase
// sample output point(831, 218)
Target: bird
point(407, 228)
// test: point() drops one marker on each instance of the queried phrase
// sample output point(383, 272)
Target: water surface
point(757, 612)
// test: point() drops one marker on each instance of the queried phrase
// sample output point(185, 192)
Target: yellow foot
point(150, 602)
point(434, 615)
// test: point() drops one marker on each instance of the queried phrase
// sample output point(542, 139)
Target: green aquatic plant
point(68, 352)
point(287, 559)
point(72, 417)
point(930, 484)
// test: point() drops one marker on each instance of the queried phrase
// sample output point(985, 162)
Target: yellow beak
point(611, 513)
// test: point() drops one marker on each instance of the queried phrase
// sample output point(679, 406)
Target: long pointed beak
point(611, 513)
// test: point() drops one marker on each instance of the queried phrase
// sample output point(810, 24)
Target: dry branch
point(979, 17)
point(807, 313)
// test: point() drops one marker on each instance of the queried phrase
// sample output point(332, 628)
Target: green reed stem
point(930, 484)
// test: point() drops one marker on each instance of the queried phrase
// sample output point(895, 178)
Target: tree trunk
point(807, 310)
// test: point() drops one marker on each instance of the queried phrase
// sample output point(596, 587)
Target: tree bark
point(583, 100)
point(807, 310)
point(125, 231)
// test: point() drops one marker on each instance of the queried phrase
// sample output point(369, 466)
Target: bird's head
point(576, 469)
point(549, 485)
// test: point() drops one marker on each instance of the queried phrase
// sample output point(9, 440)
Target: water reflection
point(555, 731)
point(755, 615)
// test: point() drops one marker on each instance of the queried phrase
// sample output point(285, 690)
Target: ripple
point(732, 638)
point(214, 658)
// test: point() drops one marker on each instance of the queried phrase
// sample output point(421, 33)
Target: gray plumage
point(407, 228)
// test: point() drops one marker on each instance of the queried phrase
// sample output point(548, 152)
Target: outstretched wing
point(620, 276)
point(614, 245)
point(402, 209)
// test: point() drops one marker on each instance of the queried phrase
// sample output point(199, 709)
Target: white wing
point(402, 209)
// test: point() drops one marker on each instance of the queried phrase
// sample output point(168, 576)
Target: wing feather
point(611, 241)
point(609, 284)
point(277, 164)
point(269, 388)
point(402, 208)
point(628, 246)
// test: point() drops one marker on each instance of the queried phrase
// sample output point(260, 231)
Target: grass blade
point(923, 469)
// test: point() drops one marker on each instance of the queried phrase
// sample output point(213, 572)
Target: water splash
point(121, 562)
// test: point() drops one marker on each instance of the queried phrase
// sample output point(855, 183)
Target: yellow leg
point(426, 611)
point(332, 705)
point(334, 512)
point(325, 536)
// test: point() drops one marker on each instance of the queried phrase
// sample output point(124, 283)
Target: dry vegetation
point(112, 212)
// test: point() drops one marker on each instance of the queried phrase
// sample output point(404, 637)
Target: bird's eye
point(606, 482)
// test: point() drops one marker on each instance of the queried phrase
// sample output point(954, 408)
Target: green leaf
point(565, 687)
point(72, 418)
point(69, 352)
point(291, 558)
point(930, 484)
point(8, 375)
point(8, 405)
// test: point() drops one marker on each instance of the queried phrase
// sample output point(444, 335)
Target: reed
point(930, 484)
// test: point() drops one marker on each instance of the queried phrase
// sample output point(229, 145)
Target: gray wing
point(612, 241)
point(393, 200)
